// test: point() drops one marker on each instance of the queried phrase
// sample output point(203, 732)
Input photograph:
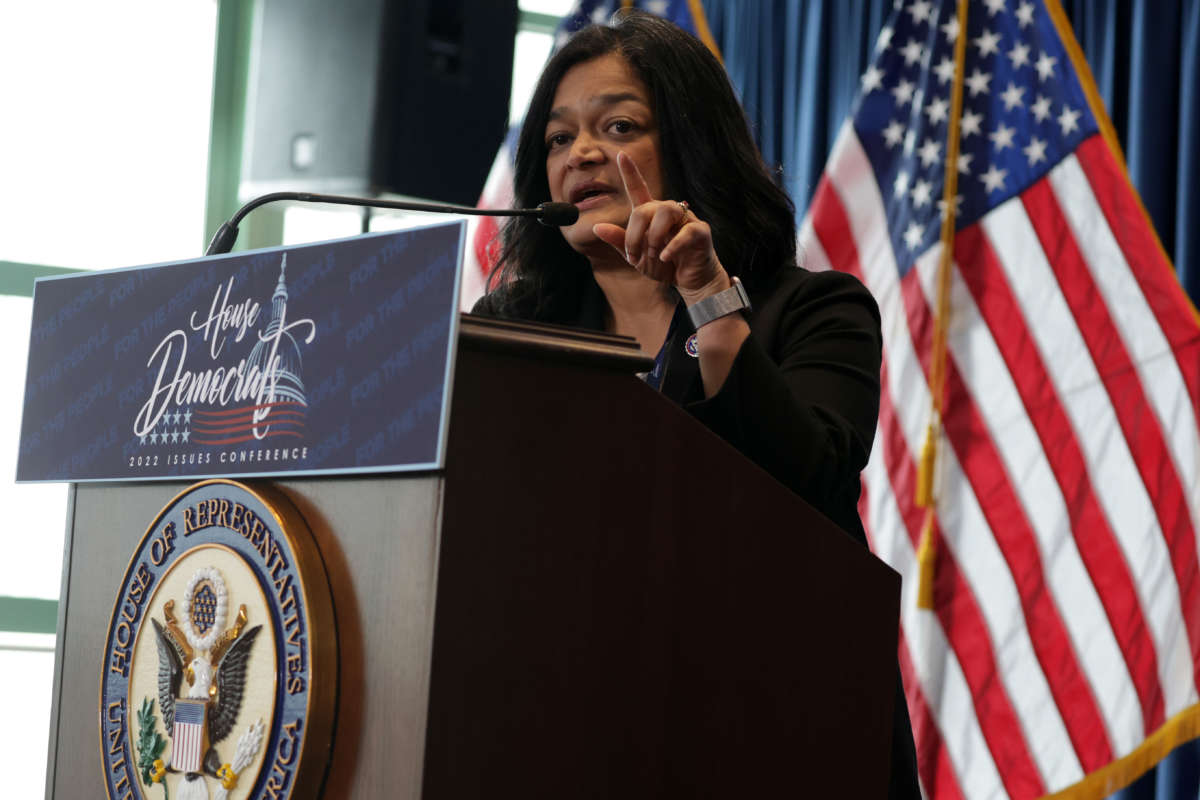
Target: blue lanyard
point(654, 377)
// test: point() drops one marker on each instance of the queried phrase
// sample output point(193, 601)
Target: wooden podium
point(597, 597)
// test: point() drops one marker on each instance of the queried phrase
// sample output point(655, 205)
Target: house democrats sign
point(220, 664)
point(333, 357)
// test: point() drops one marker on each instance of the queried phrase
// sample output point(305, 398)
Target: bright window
point(27, 664)
point(557, 8)
point(529, 56)
point(104, 150)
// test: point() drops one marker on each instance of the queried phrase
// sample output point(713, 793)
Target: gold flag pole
point(927, 549)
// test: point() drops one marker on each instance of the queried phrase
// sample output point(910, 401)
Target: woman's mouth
point(591, 195)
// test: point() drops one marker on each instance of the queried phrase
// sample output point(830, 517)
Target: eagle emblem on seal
point(195, 647)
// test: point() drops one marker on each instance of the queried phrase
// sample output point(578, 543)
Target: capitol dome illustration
point(289, 387)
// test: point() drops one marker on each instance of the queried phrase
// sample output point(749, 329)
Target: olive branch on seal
point(150, 744)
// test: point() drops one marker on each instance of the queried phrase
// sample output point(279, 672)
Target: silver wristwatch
point(719, 305)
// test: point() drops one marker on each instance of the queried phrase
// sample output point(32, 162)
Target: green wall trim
point(28, 615)
point(231, 71)
point(17, 278)
point(533, 21)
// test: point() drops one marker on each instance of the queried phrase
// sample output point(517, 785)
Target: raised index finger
point(635, 184)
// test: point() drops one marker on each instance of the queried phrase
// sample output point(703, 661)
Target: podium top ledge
point(558, 342)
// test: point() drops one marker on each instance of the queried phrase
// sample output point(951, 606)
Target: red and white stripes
point(1066, 620)
point(483, 233)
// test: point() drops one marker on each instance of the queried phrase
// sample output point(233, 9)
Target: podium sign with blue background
point(325, 358)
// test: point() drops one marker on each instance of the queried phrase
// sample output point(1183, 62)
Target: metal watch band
point(719, 305)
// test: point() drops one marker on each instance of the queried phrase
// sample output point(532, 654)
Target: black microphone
point(555, 214)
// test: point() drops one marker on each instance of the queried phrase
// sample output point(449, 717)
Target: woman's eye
point(621, 126)
point(557, 140)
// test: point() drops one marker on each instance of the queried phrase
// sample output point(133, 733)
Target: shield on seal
point(189, 739)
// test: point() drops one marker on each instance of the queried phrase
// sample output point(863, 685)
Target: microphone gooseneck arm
point(557, 214)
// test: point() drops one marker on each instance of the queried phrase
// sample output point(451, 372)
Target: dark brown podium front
point(596, 597)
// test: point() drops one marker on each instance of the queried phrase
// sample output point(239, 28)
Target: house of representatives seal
point(220, 662)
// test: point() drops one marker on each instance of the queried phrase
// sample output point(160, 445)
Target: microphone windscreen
point(558, 214)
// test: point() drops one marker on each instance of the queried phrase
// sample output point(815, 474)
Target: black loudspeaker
point(402, 96)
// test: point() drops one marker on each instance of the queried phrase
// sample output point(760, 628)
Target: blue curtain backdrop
point(796, 64)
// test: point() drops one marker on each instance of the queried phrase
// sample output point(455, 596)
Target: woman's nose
point(585, 150)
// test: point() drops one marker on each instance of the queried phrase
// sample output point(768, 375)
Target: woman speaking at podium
point(685, 243)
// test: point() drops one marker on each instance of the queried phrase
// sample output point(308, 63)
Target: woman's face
point(600, 109)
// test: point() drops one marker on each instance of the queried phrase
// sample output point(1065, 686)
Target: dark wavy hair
point(708, 159)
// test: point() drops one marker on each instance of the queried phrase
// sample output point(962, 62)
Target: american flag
point(187, 738)
point(483, 233)
point(1062, 648)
